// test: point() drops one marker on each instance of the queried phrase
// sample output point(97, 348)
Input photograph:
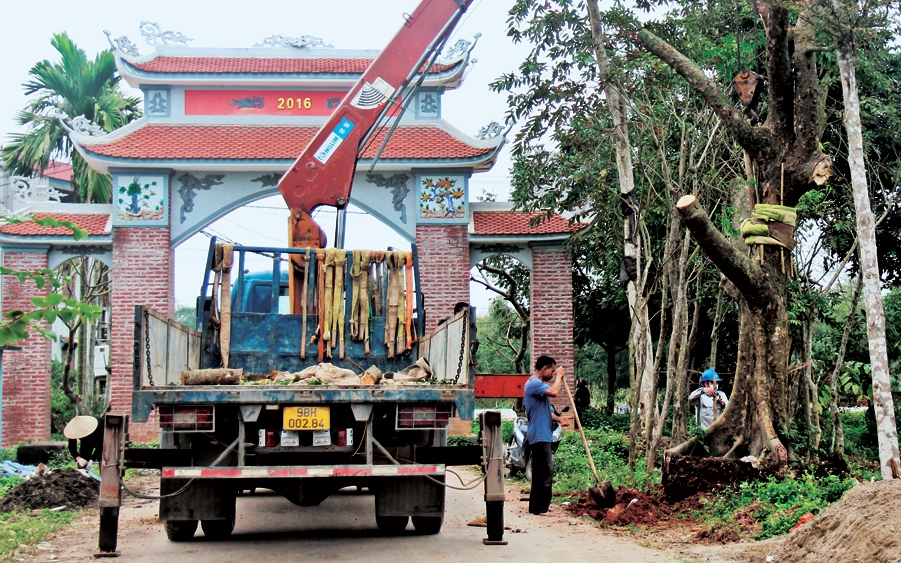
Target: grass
point(774, 505)
point(25, 529)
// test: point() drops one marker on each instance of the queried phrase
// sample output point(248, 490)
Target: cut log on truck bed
point(211, 377)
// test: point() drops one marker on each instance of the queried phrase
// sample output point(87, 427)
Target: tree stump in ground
point(684, 476)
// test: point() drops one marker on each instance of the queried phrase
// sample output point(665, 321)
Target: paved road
point(269, 528)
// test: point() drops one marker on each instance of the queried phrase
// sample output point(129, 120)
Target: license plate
point(306, 418)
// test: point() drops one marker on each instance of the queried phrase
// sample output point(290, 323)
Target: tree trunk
point(838, 433)
point(715, 331)
point(632, 272)
point(812, 403)
point(789, 162)
point(869, 267)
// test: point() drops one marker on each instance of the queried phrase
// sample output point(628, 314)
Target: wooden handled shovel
point(602, 493)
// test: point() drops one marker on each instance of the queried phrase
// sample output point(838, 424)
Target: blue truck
point(303, 441)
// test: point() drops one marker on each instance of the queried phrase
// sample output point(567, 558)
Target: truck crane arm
point(323, 173)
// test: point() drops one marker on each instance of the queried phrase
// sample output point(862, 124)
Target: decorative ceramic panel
point(443, 198)
point(140, 199)
point(157, 102)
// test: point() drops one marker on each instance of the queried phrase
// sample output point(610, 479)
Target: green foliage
point(74, 86)
point(500, 333)
point(16, 324)
point(610, 452)
point(596, 419)
point(186, 316)
point(781, 502)
point(21, 530)
point(459, 440)
point(860, 440)
point(61, 407)
point(7, 483)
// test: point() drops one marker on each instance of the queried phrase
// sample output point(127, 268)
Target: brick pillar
point(142, 275)
point(26, 372)
point(443, 269)
point(551, 302)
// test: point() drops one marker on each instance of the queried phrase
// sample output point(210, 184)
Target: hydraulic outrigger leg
point(111, 470)
point(493, 464)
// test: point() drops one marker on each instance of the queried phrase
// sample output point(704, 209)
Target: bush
point(597, 419)
point(62, 408)
point(610, 453)
point(860, 440)
point(782, 502)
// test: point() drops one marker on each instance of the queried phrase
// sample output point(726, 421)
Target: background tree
point(74, 86)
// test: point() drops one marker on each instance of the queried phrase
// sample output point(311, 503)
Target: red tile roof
point(260, 65)
point(516, 223)
point(58, 171)
point(236, 142)
point(94, 224)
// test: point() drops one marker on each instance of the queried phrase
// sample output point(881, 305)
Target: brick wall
point(142, 275)
point(26, 372)
point(443, 269)
point(552, 311)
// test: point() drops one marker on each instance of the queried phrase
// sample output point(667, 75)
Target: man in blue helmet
point(711, 401)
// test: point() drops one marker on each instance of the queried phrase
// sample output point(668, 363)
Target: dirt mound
point(864, 526)
point(634, 508)
point(64, 487)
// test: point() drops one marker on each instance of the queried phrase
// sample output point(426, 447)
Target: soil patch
point(864, 526)
point(66, 487)
point(636, 508)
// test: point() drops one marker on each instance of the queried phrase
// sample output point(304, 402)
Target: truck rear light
point(186, 419)
point(424, 416)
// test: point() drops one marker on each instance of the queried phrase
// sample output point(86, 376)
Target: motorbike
point(516, 456)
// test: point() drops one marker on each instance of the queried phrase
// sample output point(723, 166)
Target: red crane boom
point(323, 173)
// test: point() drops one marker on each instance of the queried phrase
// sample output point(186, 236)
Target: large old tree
point(786, 162)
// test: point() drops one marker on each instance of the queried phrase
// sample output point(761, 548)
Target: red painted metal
point(114, 431)
point(323, 173)
point(263, 102)
point(509, 386)
point(311, 471)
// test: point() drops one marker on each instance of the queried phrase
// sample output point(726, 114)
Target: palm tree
point(74, 86)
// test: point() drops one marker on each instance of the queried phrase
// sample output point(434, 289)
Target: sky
point(346, 24)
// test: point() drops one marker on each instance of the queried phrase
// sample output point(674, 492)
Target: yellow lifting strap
point(338, 301)
point(359, 314)
point(327, 310)
point(355, 273)
point(412, 337)
point(305, 297)
point(320, 300)
point(392, 302)
point(400, 259)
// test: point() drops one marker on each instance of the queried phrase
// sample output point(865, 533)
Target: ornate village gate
point(220, 126)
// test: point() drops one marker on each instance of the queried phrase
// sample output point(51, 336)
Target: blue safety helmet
point(710, 375)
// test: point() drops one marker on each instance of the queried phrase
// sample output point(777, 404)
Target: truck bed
point(168, 348)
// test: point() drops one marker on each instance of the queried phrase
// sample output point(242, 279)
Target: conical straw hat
point(79, 427)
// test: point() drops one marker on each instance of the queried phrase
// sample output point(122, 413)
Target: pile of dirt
point(634, 508)
point(64, 487)
point(864, 526)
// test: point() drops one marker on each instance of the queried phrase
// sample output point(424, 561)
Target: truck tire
point(428, 525)
point(218, 529)
point(391, 525)
point(180, 530)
